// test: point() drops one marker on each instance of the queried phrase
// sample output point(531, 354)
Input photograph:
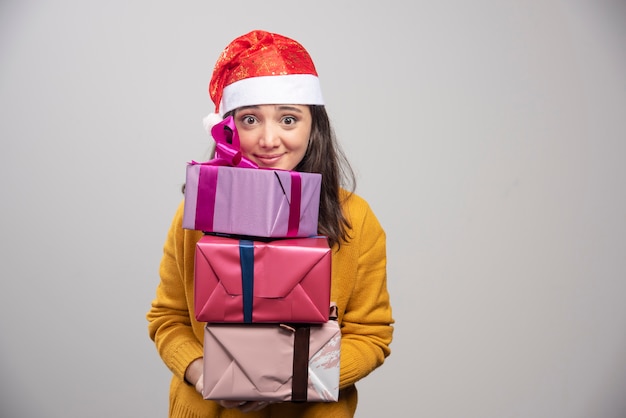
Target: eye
point(289, 120)
point(248, 119)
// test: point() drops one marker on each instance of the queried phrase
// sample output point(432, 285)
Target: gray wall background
point(489, 137)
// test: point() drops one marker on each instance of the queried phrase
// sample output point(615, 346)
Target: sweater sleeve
point(170, 324)
point(367, 320)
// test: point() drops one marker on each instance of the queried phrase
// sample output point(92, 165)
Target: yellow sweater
point(359, 287)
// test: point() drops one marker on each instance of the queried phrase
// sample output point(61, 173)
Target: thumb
point(200, 384)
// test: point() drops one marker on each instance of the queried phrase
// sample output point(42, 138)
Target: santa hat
point(262, 68)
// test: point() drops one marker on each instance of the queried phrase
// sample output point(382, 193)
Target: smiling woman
point(269, 85)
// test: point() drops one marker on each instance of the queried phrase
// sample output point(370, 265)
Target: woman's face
point(274, 136)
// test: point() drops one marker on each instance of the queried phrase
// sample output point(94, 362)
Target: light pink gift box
point(251, 201)
point(272, 362)
point(244, 281)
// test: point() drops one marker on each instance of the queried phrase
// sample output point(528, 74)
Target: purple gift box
point(251, 201)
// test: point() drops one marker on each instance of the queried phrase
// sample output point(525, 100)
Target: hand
point(244, 406)
point(194, 374)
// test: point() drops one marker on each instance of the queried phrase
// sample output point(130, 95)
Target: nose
point(270, 136)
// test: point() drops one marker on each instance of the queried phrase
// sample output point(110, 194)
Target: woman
point(269, 84)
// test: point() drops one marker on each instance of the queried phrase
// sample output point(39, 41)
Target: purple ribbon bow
point(227, 146)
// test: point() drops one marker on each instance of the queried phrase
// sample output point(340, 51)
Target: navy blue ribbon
point(246, 259)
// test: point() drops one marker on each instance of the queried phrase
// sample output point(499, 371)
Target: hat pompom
point(210, 120)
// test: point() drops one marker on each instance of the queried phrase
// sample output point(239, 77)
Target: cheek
point(300, 141)
point(300, 148)
point(245, 142)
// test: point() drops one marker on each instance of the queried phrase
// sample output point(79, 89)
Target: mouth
point(268, 159)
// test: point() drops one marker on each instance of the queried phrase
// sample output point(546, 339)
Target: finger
point(231, 404)
point(200, 384)
point(253, 406)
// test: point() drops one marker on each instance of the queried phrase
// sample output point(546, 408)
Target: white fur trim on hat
point(301, 89)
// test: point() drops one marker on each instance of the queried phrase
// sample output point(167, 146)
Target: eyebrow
point(287, 107)
point(278, 107)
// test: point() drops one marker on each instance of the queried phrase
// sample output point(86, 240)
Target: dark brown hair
point(325, 156)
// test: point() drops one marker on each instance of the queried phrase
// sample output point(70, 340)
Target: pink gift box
point(249, 201)
point(272, 362)
point(244, 281)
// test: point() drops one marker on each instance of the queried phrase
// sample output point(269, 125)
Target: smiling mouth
point(268, 158)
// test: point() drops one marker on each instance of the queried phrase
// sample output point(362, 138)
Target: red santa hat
point(263, 68)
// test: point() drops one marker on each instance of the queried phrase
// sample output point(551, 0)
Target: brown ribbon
point(300, 376)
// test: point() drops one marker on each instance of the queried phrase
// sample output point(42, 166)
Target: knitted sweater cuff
point(180, 358)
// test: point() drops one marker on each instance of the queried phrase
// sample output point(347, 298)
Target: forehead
point(304, 109)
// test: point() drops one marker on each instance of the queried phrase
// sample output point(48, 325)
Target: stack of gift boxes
point(262, 279)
